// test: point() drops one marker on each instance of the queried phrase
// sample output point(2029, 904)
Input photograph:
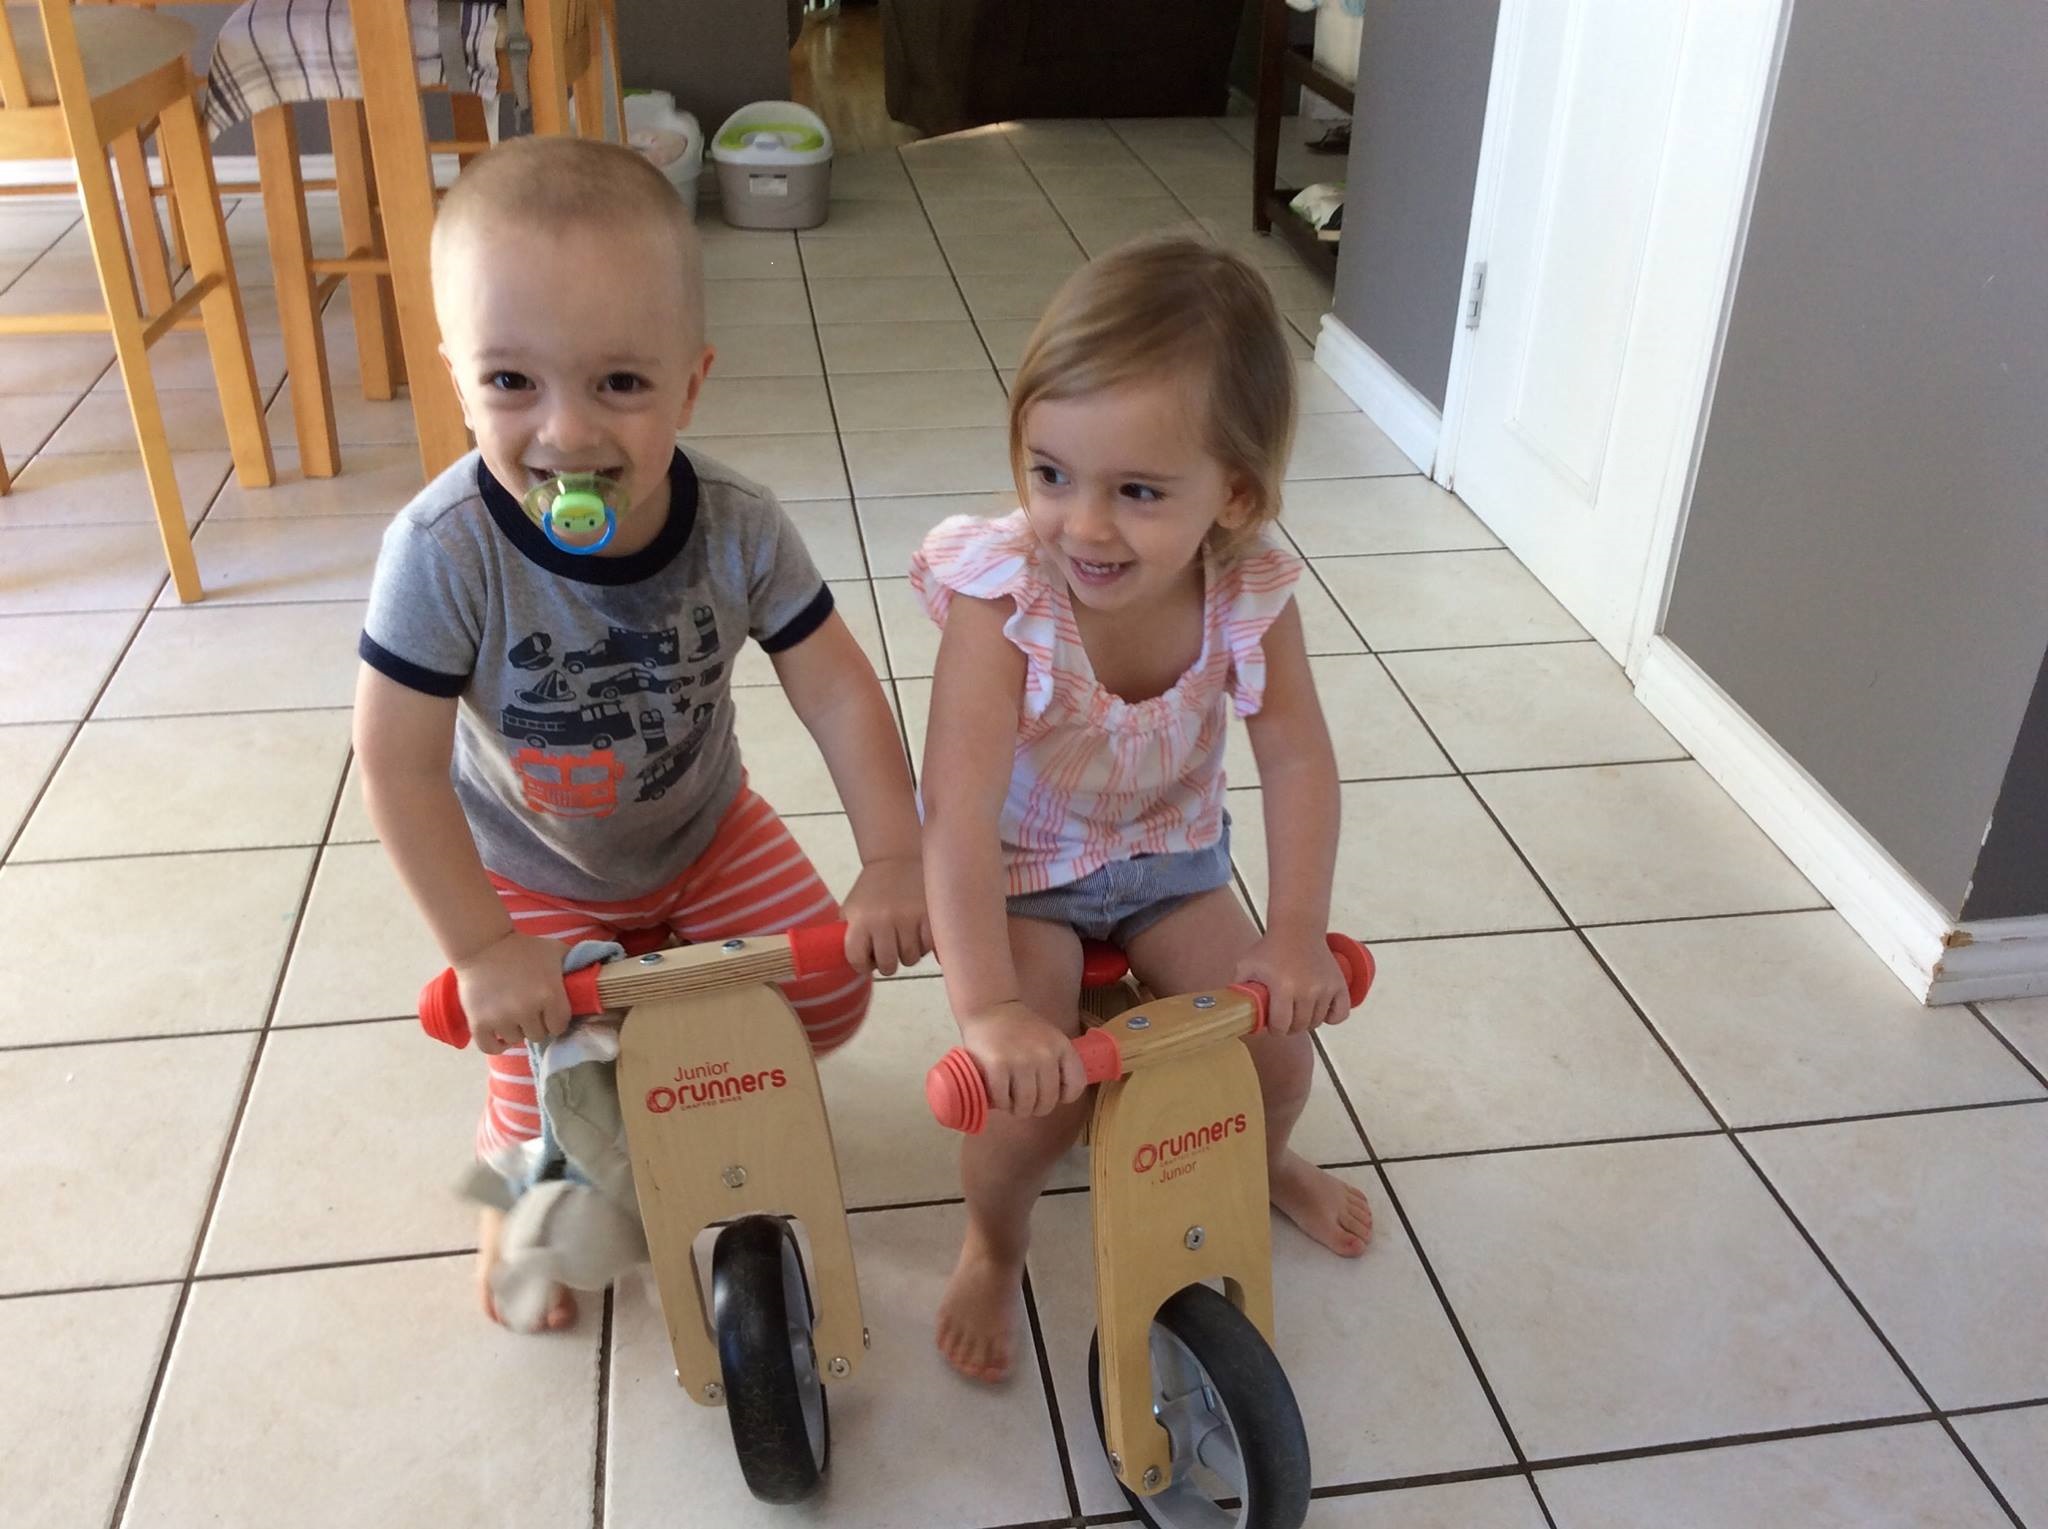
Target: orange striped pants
point(752, 879)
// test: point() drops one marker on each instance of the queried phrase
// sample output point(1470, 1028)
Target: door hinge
point(1475, 297)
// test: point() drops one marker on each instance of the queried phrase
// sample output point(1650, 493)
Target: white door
point(1613, 182)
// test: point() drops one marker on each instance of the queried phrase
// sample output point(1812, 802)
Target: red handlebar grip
point(818, 950)
point(956, 1092)
point(441, 1013)
point(1359, 966)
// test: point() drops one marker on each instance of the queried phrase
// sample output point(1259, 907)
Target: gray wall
point(714, 56)
point(1865, 562)
point(2014, 866)
point(1423, 70)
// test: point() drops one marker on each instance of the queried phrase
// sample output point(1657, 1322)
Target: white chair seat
point(117, 44)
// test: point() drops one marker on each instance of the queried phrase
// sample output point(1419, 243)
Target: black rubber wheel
point(1240, 1454)
point(774, 1395)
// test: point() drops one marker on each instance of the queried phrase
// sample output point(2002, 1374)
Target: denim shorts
point(1126, 897)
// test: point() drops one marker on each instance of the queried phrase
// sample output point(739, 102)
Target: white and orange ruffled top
point(1098, 778)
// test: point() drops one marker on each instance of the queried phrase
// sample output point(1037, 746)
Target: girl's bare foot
point(978, 1313)
point(561, 1310)
point(1321, 1204)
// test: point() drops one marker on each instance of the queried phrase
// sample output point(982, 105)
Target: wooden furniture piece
point(1178, 1181)
point(952, 64)
point(725, 1126)
point(384, 177)
point(87, 87)
point(1283, 63)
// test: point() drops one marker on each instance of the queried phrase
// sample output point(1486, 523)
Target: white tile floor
point(1687, 1215)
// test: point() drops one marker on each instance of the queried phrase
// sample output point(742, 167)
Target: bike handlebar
point(671, 973)
point(958, 1093)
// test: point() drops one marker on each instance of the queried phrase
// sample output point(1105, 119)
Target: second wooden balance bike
point(725, 1124)
point(1196, 1414)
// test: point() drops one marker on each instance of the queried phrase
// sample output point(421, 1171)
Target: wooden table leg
point(405, 190)
point(1266, 131)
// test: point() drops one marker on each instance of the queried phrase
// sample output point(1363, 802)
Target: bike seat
point(1102, 964)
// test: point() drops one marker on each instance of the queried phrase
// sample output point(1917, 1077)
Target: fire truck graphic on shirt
point(570, 785)
point(571, 729)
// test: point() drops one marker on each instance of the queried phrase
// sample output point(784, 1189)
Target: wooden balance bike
point(725, 1125)
point(1190, 1402)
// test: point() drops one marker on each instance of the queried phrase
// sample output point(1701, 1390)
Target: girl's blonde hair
point(1173, 306)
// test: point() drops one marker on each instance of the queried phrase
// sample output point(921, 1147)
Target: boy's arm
point(1298, 779)
point(833, 689)
point(970, 752)
point(511, 985)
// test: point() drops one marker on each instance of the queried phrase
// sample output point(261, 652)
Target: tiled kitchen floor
point(1688, 1215)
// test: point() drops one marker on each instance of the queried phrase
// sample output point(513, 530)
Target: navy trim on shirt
point(408, 673)
point(805, 622)
point(585, 569)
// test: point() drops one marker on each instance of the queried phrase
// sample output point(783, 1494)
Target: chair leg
point(589, 86)
point(378, 357)
point(145, 234)
point(6, 482)
point(291, 256)
point(405, 192)
point(181, 258)
point(546, 74)
point(190, 163)
point(110, 255)
point(608, 16)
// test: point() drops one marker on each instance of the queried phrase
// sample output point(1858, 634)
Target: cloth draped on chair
point(277, 51)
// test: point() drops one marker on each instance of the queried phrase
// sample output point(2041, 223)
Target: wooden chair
point(88, 86)
point(384, 176)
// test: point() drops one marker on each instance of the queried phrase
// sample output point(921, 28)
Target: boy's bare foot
point(978, 1313)
point(489, 1223)
point(1321, 1204)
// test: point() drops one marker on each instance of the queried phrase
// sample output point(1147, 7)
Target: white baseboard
point(228, 169)
point(1411, 421)
point(1994, 958)
point(1939, 960)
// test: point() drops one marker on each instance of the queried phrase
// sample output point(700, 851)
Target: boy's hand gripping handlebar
point(663, 974)
point(958, 1094)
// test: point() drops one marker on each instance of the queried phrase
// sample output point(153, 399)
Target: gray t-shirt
point(594, 746)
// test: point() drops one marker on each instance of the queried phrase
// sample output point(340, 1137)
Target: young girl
point(1096, 642)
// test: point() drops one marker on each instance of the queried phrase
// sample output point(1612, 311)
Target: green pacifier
point(574, 511)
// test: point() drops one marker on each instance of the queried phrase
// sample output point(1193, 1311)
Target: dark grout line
point(324, 1265)
point(1912, 1379)
point(1991, 1407)
point(1901, 1114)
point(1454, 771)
point(1052, 1400)
point(1705, 918)
point(164, 854)
point(57, 765)
point(42, 1292)
point(220, 1173)
point(1998, 1033)
point(1396, 1159)
point(598, 1483)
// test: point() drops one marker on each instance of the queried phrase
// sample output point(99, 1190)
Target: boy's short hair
point(1166, 306)
point(571, 183)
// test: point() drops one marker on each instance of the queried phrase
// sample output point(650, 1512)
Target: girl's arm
point(834, 692)
point(511, 984)
point(970, 750)
point(1298, 779)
